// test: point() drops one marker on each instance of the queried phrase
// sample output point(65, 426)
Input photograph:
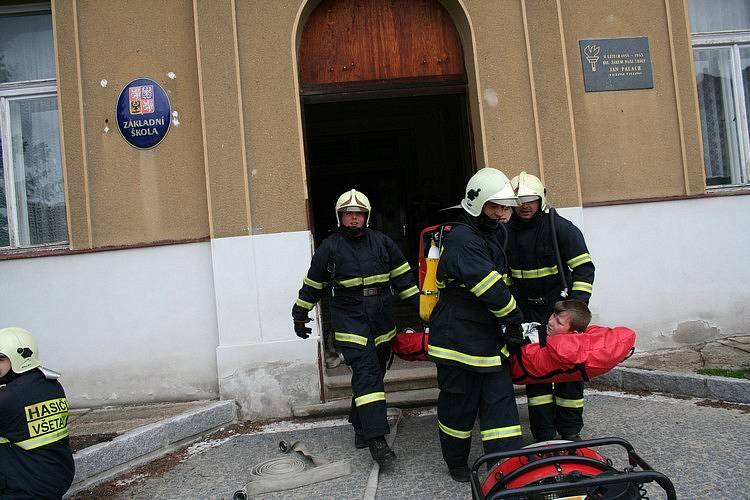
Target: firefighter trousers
point(368, 411)
point(555, 408)
point(463, 394)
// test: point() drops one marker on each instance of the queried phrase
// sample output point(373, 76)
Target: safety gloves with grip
point(301, 329)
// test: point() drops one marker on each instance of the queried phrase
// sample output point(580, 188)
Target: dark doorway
point(410, 155)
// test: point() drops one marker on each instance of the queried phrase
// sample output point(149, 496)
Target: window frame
point(732, 40)
point(9, 92)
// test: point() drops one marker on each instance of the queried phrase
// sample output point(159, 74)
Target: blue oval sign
point(143, 113)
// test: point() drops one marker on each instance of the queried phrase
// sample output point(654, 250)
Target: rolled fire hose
point(372, 482)
point(291, 471)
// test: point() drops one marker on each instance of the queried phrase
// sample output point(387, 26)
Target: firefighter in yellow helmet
point(362, 269)
point(35, 456)
point(475, 319)
point(538, 286)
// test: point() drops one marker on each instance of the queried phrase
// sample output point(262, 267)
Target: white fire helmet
point(353, 201)
point(19, 346)
point(529, 188)
point(488, 184)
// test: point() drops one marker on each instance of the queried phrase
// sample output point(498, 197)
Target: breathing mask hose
point(560, 268)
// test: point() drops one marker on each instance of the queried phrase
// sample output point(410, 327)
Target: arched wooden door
point(383, 90)
point(374, 41)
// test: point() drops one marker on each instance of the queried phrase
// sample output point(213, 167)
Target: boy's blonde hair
point(578, 311)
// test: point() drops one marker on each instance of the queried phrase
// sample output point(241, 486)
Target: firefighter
point(35, 456)
point(363, 269)
point(475, 318)
point(537, 286)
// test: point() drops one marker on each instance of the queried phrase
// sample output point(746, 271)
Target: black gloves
point(513, 337)
point(300, 329)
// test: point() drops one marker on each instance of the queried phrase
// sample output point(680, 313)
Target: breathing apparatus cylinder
point(429, 295)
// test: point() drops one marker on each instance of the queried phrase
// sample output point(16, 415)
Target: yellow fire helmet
point(488, 184)
point(353, 201)
point(19, 346)
point(529, 188)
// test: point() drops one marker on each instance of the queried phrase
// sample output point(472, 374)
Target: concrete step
point(400, 399)
point(182, 425)
point(403, 379)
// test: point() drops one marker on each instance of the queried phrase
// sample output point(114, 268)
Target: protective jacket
point(465, 327)
point(362, 273)
point(35, 454)
point(533, 262)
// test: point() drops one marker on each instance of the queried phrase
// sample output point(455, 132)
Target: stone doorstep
point(140, 445)
point(404, 379)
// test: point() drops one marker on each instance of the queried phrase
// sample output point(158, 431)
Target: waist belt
point(363, 292)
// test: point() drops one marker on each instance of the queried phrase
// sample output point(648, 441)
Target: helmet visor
point(506, 202)
point(529, 198)
point(352, 209)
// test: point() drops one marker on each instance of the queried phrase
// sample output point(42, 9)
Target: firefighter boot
point(381, 452)
point(460, 474)
point(359, 439)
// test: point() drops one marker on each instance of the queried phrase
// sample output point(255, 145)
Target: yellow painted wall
point(235, 165)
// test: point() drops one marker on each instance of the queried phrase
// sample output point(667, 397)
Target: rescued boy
point(575, 352)
point(36, 461)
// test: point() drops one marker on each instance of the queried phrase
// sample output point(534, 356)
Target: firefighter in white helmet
point(538, 286)
point(35, 456)
point(362, 269)
point(472, 325)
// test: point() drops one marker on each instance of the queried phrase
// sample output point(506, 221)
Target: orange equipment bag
point(573, 357)
point(411, 345)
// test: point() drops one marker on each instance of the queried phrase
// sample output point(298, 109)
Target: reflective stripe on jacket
point(474, 301)
point(348, 265)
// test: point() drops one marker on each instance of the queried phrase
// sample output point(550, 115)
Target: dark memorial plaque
point(616, 64)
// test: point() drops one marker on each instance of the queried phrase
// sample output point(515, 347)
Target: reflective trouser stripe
point(582, 286)
point(369, 398)
point(350, 337)
point(577, 261)
point(467, 359)
point(412, 290)
point(541, 400)
point(486, 283)
point(507, 309)
point(385, 337)
point(398, 271)
point(501, 432)
point(305, 304)
point(38, 441)
point(4, 440)
point(454, 432)
point(569, 403)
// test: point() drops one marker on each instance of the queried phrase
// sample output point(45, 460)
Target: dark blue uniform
point(466, 343)
point(364, 273)
point(35, 456)
point(537, 286)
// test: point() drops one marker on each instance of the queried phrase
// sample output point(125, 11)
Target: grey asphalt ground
point(702, 448)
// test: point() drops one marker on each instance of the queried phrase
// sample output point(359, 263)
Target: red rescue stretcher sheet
point(572, 357)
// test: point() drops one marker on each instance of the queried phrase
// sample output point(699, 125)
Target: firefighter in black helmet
point(537, 286)
point(35, 456)
point(470, 328)
point(363, 269)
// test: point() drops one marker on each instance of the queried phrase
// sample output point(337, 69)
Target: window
point(721, 50)
point(32, 199)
